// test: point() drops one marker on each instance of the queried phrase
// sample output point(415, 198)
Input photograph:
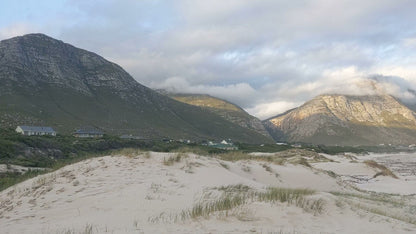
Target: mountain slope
point(411, 104)
point(45, 81)
point(223, 108)
point(346, 120)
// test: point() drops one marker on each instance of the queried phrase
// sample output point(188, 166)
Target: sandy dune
point(145, 193)
point(353, 170)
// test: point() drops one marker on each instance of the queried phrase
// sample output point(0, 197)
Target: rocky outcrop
point(35, 60)
point(345, 120)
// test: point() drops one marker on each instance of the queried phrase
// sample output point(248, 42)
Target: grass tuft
point(173, 159)
point(224, 203)
point(235, 156)
point(128, 152)
point(246, 168)
point(283, 194)
point(88, 229)
point(267, 168)
point(384, 171)
point(234, 196)
point(147, 155)
point(225, 165)
point(235, 188)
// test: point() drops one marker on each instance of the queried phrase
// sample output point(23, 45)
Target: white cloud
point(16, 29)
point(265, 56)
point(351, 81)
point(407, 72)
point(236, 93)
point(267, 110)
point(410, 42)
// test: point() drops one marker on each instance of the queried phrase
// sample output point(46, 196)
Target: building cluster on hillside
point(224, 145)
point(49, 131)
point(90, 132)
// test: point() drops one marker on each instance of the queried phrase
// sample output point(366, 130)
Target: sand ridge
point(144, 193)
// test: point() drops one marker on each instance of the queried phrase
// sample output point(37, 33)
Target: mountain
point(411, 104)
point(45, 81)
point(225, 109)
point(346, 120)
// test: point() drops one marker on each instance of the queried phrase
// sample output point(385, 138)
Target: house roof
point(88, 131)
point(37, 129)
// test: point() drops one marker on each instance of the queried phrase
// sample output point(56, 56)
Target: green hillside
point(48, 82)
point(225, 109)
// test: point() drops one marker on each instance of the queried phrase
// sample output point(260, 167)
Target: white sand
point(361, 175)
point(117, 194)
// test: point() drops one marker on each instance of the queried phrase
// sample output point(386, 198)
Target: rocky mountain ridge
point(343, 119)
point(225, 109)
point(48, 82)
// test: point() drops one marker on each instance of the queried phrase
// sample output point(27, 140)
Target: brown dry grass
point(384, 171)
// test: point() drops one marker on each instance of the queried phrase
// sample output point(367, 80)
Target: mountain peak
point(37, 36)
point(37, 59)
point(45, 81)
point(33, 37)
point(340, 118)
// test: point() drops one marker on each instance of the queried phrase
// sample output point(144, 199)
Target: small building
point(35, 131)
point(296, 146)
point(224, 145)
point(88, 132)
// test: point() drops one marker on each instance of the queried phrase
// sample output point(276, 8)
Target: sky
point(266, 56)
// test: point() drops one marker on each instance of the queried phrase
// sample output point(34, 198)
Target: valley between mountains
point(170, 162)
point(48, 82)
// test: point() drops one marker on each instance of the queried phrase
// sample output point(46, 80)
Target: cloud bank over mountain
point(266, 56)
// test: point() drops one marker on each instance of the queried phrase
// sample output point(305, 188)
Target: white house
point(35, 131)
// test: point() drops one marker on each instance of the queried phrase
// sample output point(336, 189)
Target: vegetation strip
point(384, 171)
point(235, 196)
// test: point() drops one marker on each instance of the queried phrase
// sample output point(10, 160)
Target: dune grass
point(192, 149)
point(301, 161)
point(274, 194)
point(237, 156)
point(173, 159)
point(295, 157)
point(375, 197)
point(224, 203)
point(88, 229)
point(384, 171)
point(233, 188)
point(378, 203)
point(235, 196)
point(128, 152)
point(225, 165)
point(246, 168)
point(295, 197)
point(383, 212)
point(10, 178)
